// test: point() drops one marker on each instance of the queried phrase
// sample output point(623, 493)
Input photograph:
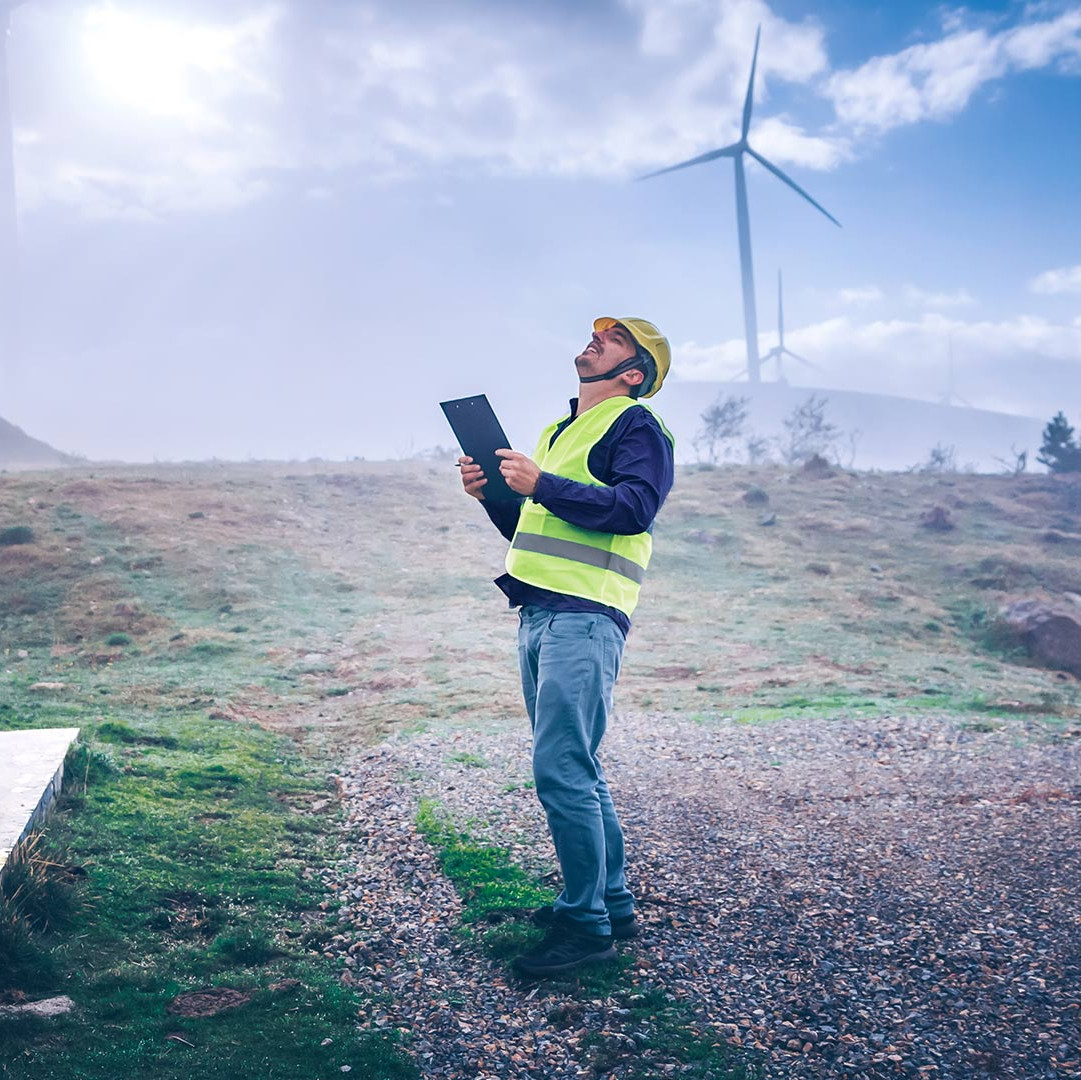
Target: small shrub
point(16, 534)
point(212, 648)
point(118, 639)
point(245, 947)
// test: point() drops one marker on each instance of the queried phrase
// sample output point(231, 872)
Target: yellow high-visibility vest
point(546, 551)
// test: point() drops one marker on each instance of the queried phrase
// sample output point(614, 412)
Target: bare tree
point(757, 447)
point(940, 459)
point(854, 437)
point(722, 424)
point(807, 431)
point(1017, 465)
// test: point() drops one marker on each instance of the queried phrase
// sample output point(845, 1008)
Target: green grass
point(487, 881)
point(492, 887)
point(180, 866)
point(474, 761)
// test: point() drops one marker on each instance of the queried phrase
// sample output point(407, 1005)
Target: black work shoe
point(623, 928)
point(563, 950)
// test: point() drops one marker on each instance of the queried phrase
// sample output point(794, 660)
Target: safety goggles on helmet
point(653, 356)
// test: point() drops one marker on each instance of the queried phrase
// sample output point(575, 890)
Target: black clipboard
point(480, 435)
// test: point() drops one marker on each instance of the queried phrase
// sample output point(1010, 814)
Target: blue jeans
point(569, 662)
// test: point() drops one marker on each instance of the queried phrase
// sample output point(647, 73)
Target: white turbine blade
point(725, 151)
point(791, 183)
point(804, 360)
point(748, 101)
point(739, 376)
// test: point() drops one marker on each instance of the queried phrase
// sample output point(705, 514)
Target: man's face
point(607, 349)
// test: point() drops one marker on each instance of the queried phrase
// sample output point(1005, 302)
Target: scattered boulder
point(1049, 630)
point(769, 519)
point(45, 1009)
point(937, 519)
point(755, 496)
point(817, 465)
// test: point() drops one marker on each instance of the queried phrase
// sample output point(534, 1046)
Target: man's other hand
point(473, 478)
point(520, 472)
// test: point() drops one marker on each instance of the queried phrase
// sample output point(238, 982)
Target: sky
point(288, 228)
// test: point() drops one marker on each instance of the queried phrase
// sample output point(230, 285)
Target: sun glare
point(158, 65)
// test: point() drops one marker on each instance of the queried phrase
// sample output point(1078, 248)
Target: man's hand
point(520, 472)
point(473, 478)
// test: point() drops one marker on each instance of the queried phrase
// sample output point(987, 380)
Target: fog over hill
point(876, 431)
point(19, 451)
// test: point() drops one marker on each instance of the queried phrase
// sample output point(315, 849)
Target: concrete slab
point(31, 772)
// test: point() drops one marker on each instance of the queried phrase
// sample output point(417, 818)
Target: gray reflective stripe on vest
point(583, 553)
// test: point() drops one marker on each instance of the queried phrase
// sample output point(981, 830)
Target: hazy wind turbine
point(736, 151)
point(949, 397)
point(779, 351)
point(9, 227)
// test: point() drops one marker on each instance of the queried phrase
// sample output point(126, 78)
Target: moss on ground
point(177, 860)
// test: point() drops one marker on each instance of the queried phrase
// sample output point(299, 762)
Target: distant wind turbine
point(9, 228)
point(950, 397)
point(779, 351)
point(736, 151)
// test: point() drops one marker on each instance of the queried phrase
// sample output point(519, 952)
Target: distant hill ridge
point(19, 451)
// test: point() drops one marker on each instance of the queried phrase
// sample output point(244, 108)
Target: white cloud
point(921, 298)
point(910, 358)
point(150, 114)
point(861, 294)
point(937, 80)
point(1066, 279)
point(268, 89)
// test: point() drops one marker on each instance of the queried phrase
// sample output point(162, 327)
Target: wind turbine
point(779, 351)
point(9, 228)
point(949, 397)
point(736, 151)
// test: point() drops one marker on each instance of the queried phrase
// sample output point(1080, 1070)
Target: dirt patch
point(208, 1002)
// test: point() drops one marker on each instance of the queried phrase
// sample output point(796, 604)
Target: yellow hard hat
point(649, 338)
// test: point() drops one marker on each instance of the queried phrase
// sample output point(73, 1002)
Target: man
point(580, 543)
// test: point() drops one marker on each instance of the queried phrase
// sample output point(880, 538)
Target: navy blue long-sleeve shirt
point(634, 459)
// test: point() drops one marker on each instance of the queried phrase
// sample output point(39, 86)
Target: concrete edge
point(24, 843)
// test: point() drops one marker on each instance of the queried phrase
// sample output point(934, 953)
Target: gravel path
point(853, 898)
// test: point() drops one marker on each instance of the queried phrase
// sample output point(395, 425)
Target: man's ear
point(634, 377)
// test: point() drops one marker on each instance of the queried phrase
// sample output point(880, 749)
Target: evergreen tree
point(1059, 452)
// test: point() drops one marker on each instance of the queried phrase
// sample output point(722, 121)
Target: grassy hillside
point(346, 601)
point(189, 618)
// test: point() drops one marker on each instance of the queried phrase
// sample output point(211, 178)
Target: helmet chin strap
point(627, 365)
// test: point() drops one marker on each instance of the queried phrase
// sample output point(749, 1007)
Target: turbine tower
point(779, 351)
point(736, 151)
point(9, 227)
